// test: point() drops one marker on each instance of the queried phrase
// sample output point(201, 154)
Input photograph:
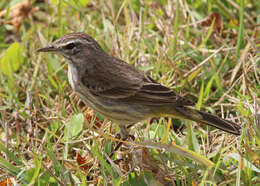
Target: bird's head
point(76, 47)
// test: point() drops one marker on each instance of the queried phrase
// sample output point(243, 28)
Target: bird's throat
point(73, 76)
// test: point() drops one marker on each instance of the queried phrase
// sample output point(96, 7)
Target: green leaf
point(193, 74)
point(35, 171)
point(53, 82)
point(10, 154)
point(57, 165)
point(54, 126)
point(199, 103)
point(192, 139)
point(208, 34)
point(53, 64)
point(164, 2)
point(136, 5)
point(208, 87)
point(84, 2)
point(11, 60)
point(96, 152)
point(8, 167)
point(75, 126)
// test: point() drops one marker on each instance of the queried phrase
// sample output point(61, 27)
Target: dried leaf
point(85, 163)
point(89, 115)
point(8, 181)
point(18, 13)
point(218, 27)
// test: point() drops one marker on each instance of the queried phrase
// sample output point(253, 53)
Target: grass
point(48, 136)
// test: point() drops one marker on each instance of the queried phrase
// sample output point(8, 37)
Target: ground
point(207, 51)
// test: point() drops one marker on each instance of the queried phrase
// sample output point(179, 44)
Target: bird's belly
point(118, 111)
point(113, 109)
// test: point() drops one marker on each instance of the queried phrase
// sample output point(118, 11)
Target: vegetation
point(207, 51)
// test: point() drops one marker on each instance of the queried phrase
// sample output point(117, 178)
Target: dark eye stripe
point(69, 46)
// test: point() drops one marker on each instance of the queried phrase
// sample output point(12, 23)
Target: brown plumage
point(120, 92)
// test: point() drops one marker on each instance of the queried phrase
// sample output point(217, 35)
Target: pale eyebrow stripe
point(73, 41)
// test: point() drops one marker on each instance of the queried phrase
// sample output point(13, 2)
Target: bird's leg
point(124, 134)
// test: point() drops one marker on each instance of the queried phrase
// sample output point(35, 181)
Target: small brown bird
point(119, 91)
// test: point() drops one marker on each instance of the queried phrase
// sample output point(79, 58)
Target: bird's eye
point(69, 46)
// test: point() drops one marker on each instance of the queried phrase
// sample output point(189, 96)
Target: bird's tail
point(209, 119)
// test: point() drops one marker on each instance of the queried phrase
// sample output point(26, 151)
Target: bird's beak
point(48, 49)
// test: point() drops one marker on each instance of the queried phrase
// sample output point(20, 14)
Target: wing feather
point(125, 83)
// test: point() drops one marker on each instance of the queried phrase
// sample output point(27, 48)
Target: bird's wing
point(115, 80)
point(126, 83)
point(153, 93)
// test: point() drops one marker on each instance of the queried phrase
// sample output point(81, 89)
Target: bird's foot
point(122, 135)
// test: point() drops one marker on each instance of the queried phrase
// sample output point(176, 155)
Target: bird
point(119, 91)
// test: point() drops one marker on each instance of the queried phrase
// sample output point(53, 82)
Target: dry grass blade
point(240, 62)
point(203, 62)
point(173, 148)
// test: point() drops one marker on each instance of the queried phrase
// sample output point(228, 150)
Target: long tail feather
point(209, 119)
